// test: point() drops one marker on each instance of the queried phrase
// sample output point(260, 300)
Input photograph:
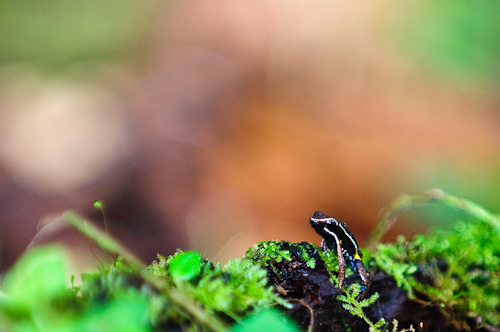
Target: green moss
point(332, 265)
point(268, 253)
point(393, 259)
point(456, 269)
point(355, 307)
point(36, 297)
point(231, 291)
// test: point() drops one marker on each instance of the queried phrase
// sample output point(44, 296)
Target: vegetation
point(456, 270)
point(448, 279)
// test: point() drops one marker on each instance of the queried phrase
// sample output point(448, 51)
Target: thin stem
point(406, 202)
point(112, 246)
point(98, 237)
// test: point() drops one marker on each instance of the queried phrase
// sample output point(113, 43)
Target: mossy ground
point(446, 281)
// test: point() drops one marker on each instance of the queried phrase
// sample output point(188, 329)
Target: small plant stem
point(112, 246)
point(406, 202)
point(98, 237)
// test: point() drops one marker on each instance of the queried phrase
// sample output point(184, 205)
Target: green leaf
point(185, 266)
point(120, 316)
point(38, 276)
point(266, 320)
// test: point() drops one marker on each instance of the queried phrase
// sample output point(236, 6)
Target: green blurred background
point(54, 36)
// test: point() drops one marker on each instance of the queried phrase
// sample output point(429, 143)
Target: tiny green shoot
point(99, 205)
point(185, 266)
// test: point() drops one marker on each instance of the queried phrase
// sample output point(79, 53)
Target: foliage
point(266, 320)
point(456, 269)
point(232, 291)
point(332, 265)
point(267, 253)
point(391, 258)
point(355, 307)
point(185, 266)
point(36, 296)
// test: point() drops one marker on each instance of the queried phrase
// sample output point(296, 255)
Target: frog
point(337, 237)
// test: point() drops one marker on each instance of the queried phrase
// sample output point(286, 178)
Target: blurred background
point(212, 125)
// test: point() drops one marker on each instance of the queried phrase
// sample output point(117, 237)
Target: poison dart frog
point(336, 236)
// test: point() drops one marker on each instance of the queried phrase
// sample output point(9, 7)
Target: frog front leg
point(340, 256)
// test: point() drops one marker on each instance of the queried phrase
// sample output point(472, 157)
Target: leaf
point(38, 276)
point(266, 320)
point(185, 266)
point(120, 316)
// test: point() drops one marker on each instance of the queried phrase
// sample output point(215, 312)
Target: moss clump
point(270, 253)
point(457, 270)
point(35, 298)
point(118, 298)
point(230, 292)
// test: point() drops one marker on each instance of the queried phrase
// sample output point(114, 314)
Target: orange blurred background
point(213, 125)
